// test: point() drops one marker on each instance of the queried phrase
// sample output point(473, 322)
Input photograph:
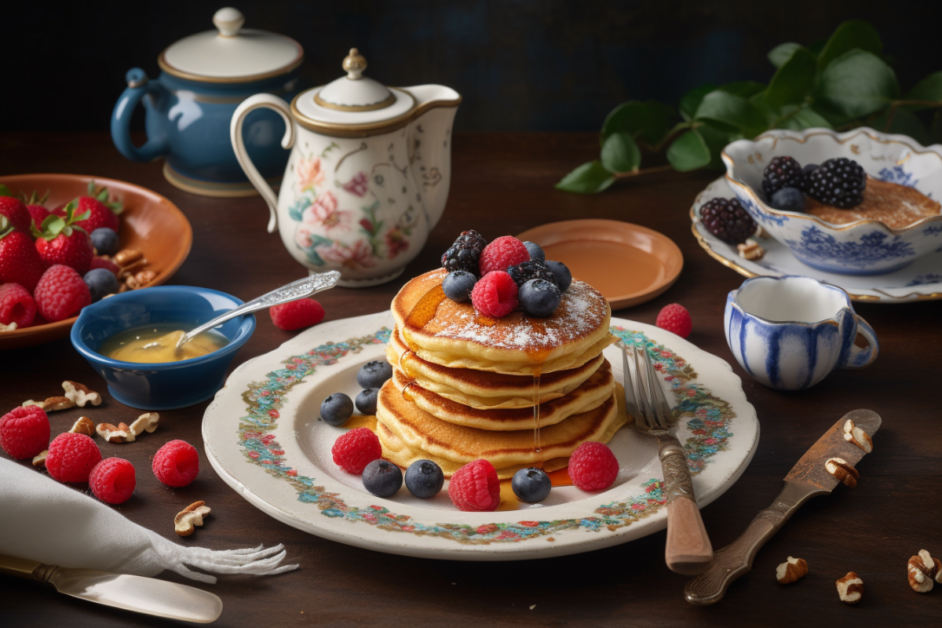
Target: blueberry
point(563, 276)
point(424, 478)
point(539, 298)
point(531, 485)
point(535, 251)
point(382, 478)
point(366, 401)
point(458, 285)
point(101, 282)
point(809, 169)
point(374, 374)
point(337, 409)
point(789, 199)
point(105, 241)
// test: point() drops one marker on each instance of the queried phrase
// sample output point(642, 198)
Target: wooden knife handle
point(19, 567)
point(688, 550)
point(736, 559)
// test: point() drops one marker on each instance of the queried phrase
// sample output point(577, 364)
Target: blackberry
point(838, 182)
point(533, 269)
point(465, 253)
point(782, 172)
point(727, 220)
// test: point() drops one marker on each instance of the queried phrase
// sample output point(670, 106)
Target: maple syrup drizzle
point(424, 310)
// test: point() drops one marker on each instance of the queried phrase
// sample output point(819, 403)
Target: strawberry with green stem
point(102, 211)
point(36, 206)
point(19, 261)
point(61, 241)
point(14, 210)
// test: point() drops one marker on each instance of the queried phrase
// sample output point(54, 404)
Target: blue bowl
point(169, 385)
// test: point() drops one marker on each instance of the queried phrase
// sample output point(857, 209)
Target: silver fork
point(688, 549)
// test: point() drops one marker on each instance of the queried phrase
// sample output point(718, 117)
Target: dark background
point(537, 65)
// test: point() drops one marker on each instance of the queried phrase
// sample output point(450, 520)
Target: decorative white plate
point(920, 281)
point(263, 437)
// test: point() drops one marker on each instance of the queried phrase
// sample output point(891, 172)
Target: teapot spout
point(430, 145)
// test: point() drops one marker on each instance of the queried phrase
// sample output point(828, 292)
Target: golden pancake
point(590, 395)
point(396, 451)
point(455, 335)
point(483, 389)
point(421, 431)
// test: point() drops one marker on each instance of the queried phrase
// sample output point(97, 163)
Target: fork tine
point(655, 394)
point(643, 402)
point(631, 402)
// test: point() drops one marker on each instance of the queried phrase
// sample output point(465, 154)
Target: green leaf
point(732, 110)
point(688, 152)
point(588, 178)
point(782, 53)
point(746, 89)
point(53, 225)
point(620, 153)
point(850, 35)
point(691, 100)
point(905, 123)
point(818, 46)
point(935, 131)
point(649, 120)
point(793, 81)
point(5, 191)
point(716, 139)
point(803, 118)
point(857, 84)
point(928, 89)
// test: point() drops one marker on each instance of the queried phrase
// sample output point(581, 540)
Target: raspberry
point(782, 172)
point(24, 432)
point(176, 463)
point(495, 294)
point(465, 253)
point(838, 182)
point(531, 269)
point(356, 449)
point(676, 319)
point(475, 487)
point(98, 262)
point(16, 305)
point(61, 293)
point(593, 466)
point(112, 480)
point(72, 457)
point(296, 314)
point(503, 253)
point(727, 220)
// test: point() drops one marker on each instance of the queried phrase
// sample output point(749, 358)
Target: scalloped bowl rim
point(840, 138)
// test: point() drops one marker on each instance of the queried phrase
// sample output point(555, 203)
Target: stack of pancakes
point(464, 385)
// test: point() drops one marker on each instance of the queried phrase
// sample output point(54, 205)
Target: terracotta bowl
point(149, 223)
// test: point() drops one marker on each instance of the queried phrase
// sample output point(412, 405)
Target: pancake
point(484, 389)
point(452, 334)
point(396, 451)
point(421, 431)
point(590, 395)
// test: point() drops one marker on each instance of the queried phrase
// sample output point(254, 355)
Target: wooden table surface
point(503, 184)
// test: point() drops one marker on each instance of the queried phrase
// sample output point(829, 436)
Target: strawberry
point(35, 205)
point(19, 261)
point(14, 210)
point(102, 212)
point(61, 241)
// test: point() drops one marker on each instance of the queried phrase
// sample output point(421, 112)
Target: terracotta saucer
point(629, 264)
point(150, 223)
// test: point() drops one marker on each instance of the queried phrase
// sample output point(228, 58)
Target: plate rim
point(430, 546)
point(632, 298)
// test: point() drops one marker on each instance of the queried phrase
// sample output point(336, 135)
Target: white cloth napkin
point(41, 519)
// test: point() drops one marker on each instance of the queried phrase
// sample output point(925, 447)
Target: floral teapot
point(368, 174)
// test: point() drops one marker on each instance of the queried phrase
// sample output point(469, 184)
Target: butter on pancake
point(455, 335)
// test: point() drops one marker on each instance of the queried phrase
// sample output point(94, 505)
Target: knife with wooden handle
point(133, 593)
point(807, 479)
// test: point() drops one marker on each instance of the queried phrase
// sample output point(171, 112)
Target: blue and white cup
point(790, 332)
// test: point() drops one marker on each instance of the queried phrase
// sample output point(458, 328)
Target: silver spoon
point(290, 292)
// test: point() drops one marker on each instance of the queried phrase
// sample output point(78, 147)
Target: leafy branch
point(841, 83)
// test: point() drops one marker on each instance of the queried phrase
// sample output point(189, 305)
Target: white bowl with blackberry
point(857, 203)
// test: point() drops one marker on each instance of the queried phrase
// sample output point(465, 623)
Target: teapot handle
point(138, 87)
point(238, 145)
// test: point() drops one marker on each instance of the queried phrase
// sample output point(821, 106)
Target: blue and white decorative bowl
point(865, 247)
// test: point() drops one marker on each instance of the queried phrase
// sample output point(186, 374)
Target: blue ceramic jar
point(189, 107)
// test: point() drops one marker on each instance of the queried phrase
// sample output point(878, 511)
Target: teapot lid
point(231, 54)
point(354, 99)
